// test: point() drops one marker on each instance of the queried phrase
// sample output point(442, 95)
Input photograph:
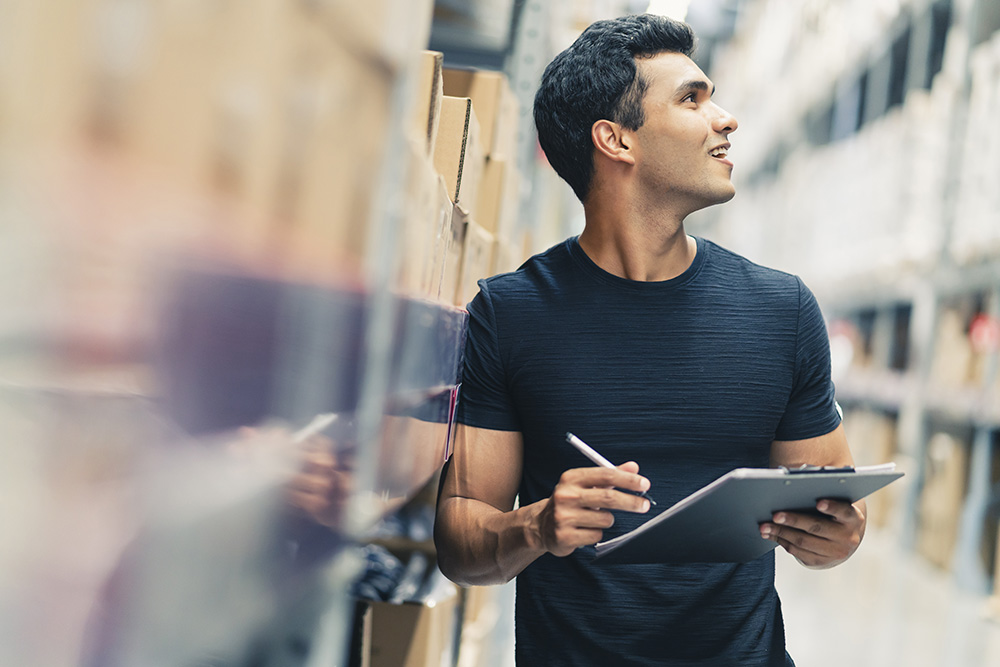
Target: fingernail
point(645, 505)
point(823, 506)
point(779, 518)
point(765, 531)
point(644, 484)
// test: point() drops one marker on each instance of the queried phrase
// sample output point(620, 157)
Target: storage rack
point(877, 195)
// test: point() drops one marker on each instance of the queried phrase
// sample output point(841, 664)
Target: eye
point(690, 97)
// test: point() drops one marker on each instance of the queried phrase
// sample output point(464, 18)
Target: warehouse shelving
point(880, 196)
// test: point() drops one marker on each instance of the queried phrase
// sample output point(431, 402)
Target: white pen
point(594, 456)
point(318, 423)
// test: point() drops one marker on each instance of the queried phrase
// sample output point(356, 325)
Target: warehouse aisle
point(884, 607)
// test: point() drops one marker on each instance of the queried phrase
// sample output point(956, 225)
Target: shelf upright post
point(912, 416)
point(971, 571)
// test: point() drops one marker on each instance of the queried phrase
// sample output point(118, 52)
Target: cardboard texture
point(443, 238)
point(481, 610)
point(495, 103)
point(941, 498)
point(477, 260)
point(451, 273)
point(873, 438)
point(499, 198)
point(458, 155)
point(425, 118)
point(416, 634)
point(420, 220)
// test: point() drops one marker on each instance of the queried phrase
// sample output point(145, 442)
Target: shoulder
point(764, 284)
point(745, 269)
point(537, 277)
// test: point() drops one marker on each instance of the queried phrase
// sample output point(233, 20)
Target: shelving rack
point(879, 196)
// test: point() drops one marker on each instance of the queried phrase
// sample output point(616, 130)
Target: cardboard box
point(416, 245)
point(941, 499)
point(477, 261)
point(458, 155)
point(443, 245)
point(481, 611)
point(499, 197)
point(495, 103)
point(416, 634)
point(452, 266)
point(331, 177)
point(387, 30)
point(425, 117)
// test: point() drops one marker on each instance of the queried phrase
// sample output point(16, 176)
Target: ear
point(613, 141)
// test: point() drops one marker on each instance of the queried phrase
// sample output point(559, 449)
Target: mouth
point(721, 153)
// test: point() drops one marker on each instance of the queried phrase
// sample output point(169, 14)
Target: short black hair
point(596, 78)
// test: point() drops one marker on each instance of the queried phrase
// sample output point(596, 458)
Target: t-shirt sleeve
point(484, 400)
point(812, 408)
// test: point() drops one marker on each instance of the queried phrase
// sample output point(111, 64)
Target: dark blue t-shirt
point(689, 377)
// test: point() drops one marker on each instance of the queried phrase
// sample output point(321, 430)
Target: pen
point(318, 423)
point(592, 454)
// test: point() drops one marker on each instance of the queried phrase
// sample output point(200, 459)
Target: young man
point(658, 349)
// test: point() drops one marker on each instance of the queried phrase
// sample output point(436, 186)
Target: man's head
point(597, 78)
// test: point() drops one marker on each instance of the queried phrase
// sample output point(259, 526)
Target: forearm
point(480, 545)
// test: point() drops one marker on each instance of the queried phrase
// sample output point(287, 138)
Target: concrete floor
point(885, 607)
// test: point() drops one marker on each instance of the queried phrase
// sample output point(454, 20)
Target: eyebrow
point(694, 84)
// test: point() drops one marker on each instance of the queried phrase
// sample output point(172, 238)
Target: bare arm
point(826, 541)
point(481, 539)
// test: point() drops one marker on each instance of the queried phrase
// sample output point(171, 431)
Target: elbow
point(448, 561)
point(456, 561)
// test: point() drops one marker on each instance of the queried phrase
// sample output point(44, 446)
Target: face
point(681, 147)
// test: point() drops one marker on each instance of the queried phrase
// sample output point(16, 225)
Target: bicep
point(485, 466)
point(825, 450)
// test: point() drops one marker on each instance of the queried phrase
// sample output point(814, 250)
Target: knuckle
point(563, 495)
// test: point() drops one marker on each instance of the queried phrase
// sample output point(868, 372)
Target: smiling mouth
point(720, 153)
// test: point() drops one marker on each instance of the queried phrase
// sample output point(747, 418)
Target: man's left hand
point(823, 541)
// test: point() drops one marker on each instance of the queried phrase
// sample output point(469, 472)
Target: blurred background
point(236, 239)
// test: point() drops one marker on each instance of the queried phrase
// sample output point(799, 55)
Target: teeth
point(719, 152)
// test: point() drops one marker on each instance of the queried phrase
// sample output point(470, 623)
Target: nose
point(724, 122)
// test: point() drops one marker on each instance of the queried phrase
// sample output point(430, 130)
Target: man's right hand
point(578, 512)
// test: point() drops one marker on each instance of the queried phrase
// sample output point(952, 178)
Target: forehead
point(666, 72)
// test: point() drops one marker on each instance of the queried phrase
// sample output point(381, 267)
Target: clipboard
point(720, 522)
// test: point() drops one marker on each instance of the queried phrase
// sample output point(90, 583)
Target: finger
point(809, 523)
point(841, 511)
point(588, 518)
point(606, 477)
point(316, 484)
point(802, 554)
point(318, 460)
point(613, 499)
point(800, 540)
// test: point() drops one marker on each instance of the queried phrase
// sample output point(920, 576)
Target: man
point(656, 348)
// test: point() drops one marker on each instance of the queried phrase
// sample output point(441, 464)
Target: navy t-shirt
point(689, 377)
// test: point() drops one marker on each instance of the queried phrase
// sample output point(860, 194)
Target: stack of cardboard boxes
point(251, 134)
point(465, 183)
point(459, 226)
point(250, 137)
point(480, 115)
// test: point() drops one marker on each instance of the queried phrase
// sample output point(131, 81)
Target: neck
point(634, 242)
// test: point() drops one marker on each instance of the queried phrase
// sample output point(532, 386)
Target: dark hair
point(596, 78)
